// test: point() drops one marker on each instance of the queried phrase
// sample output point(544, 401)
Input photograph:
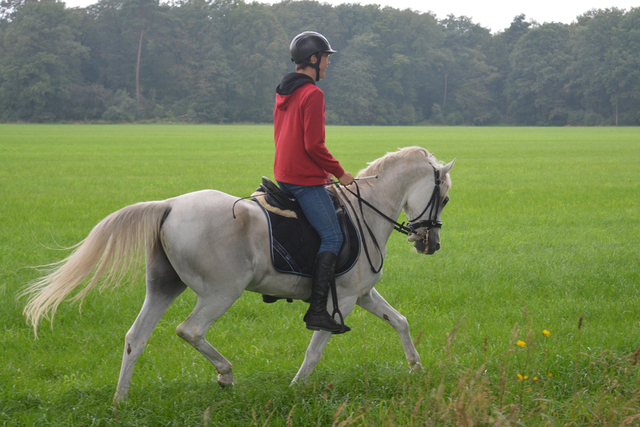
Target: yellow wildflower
point(521, 343)
point(535, 378)
point(546, 333)
point(520, 377)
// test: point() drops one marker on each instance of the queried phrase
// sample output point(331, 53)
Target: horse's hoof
point(225, 380)
point(299, 382)
point(117, 398)
point(417, 367)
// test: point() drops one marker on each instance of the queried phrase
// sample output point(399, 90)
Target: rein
point(410, 228)
point(373, 237)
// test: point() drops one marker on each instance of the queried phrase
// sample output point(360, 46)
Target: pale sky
point(493, 14)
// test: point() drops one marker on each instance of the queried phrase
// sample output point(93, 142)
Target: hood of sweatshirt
point(289, 84)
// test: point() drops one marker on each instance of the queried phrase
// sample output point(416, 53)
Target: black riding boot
point(317, 317)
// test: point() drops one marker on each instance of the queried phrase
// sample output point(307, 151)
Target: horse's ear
point(446, 168)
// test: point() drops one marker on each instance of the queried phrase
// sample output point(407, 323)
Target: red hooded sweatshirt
point(298, 118)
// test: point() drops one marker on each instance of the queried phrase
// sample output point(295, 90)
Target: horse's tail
point(111, 250)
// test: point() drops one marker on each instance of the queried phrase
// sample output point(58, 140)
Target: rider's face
point(324, 63)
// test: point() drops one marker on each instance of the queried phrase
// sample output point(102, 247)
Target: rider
point(303, 165)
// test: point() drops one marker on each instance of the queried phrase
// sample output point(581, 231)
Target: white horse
point(196, 241)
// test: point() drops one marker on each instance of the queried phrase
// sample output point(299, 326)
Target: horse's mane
point(378, 166)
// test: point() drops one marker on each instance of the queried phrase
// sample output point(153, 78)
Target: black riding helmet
point(307, 44)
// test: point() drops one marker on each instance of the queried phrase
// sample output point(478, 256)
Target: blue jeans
point(317, 207)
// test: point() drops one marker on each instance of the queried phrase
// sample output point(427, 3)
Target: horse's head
point(425, 204)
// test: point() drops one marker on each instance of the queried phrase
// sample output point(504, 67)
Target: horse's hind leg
point(193, 330)
point(374, 303)
point(163, 287)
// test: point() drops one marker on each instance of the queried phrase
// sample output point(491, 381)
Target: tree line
point(219, 61)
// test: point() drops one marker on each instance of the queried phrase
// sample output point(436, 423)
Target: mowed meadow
point(528, 315)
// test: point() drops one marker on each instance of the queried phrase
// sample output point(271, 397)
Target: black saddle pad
point(295, 244)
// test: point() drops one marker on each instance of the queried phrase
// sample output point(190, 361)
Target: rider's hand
point(346, 179)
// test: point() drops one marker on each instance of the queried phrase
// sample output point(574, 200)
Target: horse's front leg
point(319, 341)
point(374, 303)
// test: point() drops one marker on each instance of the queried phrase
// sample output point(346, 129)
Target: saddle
point(294, 242)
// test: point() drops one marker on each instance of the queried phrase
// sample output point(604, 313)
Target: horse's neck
point(389, 195)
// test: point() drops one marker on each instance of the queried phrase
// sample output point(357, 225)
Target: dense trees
point(538, 80)
point(41, 55)
point(220, 60)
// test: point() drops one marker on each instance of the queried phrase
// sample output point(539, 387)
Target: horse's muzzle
point(426, 241)
point(423, 248)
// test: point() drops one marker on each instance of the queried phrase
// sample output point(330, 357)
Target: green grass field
point(541, 234)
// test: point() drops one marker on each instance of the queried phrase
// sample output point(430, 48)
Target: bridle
point(416, 226)
point(434, 204)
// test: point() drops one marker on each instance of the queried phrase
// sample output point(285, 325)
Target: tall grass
point(540, 235)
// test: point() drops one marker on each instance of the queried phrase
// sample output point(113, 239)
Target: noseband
point(416, 226)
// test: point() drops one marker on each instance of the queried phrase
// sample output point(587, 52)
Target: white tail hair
point(111, 249)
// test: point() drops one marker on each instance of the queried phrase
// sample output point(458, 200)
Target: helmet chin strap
point(317, 64)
